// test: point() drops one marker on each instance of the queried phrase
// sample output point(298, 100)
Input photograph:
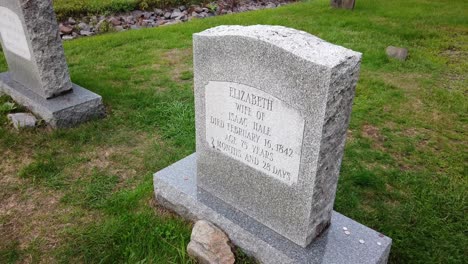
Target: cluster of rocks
point(91, 25)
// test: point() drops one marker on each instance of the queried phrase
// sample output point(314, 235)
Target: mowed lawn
point(85, 194)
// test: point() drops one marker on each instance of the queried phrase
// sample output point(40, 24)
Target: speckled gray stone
point(46, 71)
point(315, 78)
point(176, 188)
point(66, 110)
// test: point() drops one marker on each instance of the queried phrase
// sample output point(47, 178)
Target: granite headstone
point(272, 110)
point(38, 76)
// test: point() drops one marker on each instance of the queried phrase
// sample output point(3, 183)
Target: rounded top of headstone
point(300, 43)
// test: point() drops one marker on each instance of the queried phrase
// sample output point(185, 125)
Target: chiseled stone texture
point(46, 73)
point(66, 110)
point(312, 76)
point(209, 244)
point(176, 188)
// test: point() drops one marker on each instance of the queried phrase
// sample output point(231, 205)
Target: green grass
point(85, 194)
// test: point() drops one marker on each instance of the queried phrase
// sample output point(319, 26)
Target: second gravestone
point(272, 110)
point(38, 76)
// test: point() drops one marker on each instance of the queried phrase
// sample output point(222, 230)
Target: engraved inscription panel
point(12, 32)
point(255, 128)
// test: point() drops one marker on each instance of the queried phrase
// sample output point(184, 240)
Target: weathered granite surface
point(66, 110)
point(45, 70)
point(307, 77)
point(176, 189)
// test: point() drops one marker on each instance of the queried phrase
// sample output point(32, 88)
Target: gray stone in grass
point(397, 53)
point(176, 188)
point(272, 110)
point(22, 120)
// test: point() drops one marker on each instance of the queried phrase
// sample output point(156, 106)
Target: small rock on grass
point(209, 244)
point(22, 120)
point(397, 53)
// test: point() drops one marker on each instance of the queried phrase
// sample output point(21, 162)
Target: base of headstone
point(176, 189)
point(345, 4)
point(66, 110)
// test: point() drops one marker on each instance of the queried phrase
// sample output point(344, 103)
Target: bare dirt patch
point(123, 161)
point(11, 164)
point(177, 60)
point(29, 214)
point(373, 133)
point(31, 219)
point(407, 81)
